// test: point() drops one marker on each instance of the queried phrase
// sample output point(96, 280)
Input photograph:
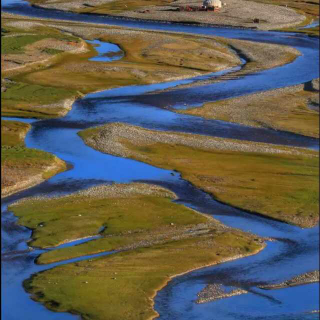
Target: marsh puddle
point(106, 51)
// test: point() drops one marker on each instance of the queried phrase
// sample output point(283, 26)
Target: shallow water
point(295, 250)
point(313, 24)
point(106, 51)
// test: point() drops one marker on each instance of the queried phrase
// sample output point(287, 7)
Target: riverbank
point(306, 278)
point(236, 13)
point(158, 239)
point(22, 167)
point(40, 61)
point(213, 292)
point(27, 47)
point(47, 53)
point(150, 57)
point(286, 109)
point(50, 83)
point(310, 9)
point(257, 56)
point(235, 172)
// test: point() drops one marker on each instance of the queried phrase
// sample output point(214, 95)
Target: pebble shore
point(113, 190)
point(235, 13)
point(215, 291)
point(108, 139)
point(305, 278)
point(265, 109)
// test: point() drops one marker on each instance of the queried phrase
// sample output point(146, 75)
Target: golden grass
point(146, 61)
point(287, 111)
point(149, 58)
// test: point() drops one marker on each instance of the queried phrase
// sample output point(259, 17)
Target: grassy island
point(274, 181)
point(23, 167)
point(294, 109)
point(157, 238)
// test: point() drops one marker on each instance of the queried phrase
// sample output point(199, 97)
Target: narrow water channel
point(295, 250)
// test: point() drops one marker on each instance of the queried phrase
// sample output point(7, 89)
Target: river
point(295, 251)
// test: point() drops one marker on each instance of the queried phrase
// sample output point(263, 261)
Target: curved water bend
point(295, 251)
point(106, 51)
point(303, 69)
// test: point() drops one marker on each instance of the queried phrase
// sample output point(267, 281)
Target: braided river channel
point(294, 251)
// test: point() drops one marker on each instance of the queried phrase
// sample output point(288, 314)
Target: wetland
point(164, 196)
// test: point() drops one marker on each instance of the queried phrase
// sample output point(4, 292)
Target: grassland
point(35, 101)
point(42, 79)
point(269, 180)
point(23, 167)
point(148, 59)
point(129, 280)
point(163, 239)
point(283, 109)
point(13, 132)
point(16, 44)
point(160, 238)
point(24, 43)
point(83, 215)
point(28, 49)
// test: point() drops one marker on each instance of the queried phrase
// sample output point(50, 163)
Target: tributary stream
point(295, 250)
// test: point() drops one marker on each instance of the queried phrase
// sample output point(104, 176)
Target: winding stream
point(295, 251)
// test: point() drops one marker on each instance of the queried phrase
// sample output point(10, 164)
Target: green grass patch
point(78, 217)
point(24, 100)
point(144, 62)
point(281, 186)
point(284, 187)
point(128, 280)
point(16, 44)
point(52, 51)
point(20, 165)
point(31, 93)
point(18, 156)
point(13, 132)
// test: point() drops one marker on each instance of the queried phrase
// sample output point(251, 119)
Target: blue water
point(104, 50)
point(313, 24)
point(295, 250)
